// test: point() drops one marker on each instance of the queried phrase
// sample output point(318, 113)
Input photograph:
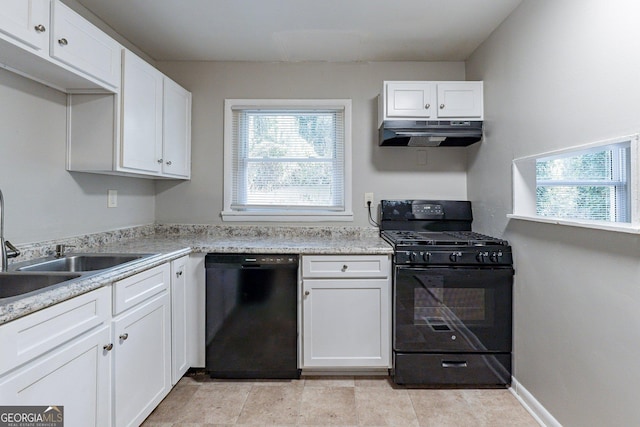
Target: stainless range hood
point(430, 133)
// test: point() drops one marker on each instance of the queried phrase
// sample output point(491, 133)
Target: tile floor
point(321, 401)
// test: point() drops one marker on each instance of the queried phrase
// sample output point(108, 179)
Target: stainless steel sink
point(13, 284)
point(81, 262)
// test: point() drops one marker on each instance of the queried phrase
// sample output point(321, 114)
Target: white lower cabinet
point(106, 355)
point(141, 346)
point(60, 359)
point(179, 308)
point(346, 312)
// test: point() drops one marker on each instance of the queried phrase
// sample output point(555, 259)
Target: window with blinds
point(286, 158)
point(588, 184)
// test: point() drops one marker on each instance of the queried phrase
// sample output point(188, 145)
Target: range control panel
point(467, 256)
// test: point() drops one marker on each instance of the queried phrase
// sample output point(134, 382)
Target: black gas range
point(452, 291)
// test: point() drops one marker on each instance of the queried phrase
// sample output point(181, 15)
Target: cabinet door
point(176, 130)
point(460, 100)
point(142, 360)
point(346, 323)
point(81, 45)
point(76, 376)
point(26, 21)
point(141, 143)
point(179, 309)
point(410, 100)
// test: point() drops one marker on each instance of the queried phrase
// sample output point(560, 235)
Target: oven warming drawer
point(489, 370)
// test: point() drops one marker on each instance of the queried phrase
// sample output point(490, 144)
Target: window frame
point(525, 187)
point(290, 214)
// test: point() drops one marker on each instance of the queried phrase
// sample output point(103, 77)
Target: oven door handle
point(454, 363)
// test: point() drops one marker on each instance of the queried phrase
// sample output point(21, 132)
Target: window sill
point(596, 225)
point(286, 216)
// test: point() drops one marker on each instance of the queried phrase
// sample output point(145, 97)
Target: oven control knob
point(414, 257)
point(496, 256)
point(455, 256)
point(482, 257)
point(426, 256)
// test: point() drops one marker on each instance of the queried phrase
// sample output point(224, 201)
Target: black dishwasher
point(251, 316)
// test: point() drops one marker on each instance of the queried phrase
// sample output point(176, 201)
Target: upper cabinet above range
point(48, 42)
point(430, 100)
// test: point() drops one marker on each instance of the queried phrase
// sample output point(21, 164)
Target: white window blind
point(287, 158)
point(589, 184)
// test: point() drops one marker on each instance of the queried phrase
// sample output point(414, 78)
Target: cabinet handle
point(306, 293)
point(441, 106)
point(159, 160)
point(426, 107)
point(63, 42)
point(344, 268)
point(40, 28)
point(169, 163)
point(108, 347)
point(124, 336)
point(179, 273)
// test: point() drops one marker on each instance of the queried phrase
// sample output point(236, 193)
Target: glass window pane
point(588, 166)
point(585, 185)
point(578, 202)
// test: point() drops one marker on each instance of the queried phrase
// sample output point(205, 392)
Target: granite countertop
point(168, 242)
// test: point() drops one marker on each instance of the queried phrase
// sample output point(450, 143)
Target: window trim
point(292, 214)
point(524, 188)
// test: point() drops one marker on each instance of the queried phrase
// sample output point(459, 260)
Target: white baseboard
point(531, 404)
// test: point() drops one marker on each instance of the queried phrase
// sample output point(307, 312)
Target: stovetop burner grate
point(444, 238)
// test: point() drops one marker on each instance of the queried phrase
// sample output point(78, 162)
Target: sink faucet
point(61, 249)
point(7, 250)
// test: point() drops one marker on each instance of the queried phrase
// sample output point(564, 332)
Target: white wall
point(560, 73)
point(388, 172)
point(42, 200)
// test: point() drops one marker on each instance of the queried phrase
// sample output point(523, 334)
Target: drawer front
point(135, 289)
point(28, 337)
point(337, 266)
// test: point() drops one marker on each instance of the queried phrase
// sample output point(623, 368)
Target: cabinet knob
point(426, 107)
point(344, 268)
point(159, 160)
point(441, 106)
point(108, 347)
point(169, 163)
point(124, 336)
point(179, 273)
point(40, 28)
point(306, 293)
point(63, 42)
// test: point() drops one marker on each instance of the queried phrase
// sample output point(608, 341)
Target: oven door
point(452, 309)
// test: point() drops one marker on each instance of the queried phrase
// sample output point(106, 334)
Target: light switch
point(112, 198)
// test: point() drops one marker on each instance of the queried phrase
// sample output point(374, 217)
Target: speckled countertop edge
point(172, 241)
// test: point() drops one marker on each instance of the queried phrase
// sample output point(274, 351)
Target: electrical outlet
point(112, 198)
point(368, 197)
point(422, 157)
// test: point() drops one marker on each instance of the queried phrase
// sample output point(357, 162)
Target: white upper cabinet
point(26, 21)
point(460, 100)
point(410, 99)
point(142, 97)
point(48, 42)
point(431, 101)
point(144, 131)
point(176, 130)
point(79, 44)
